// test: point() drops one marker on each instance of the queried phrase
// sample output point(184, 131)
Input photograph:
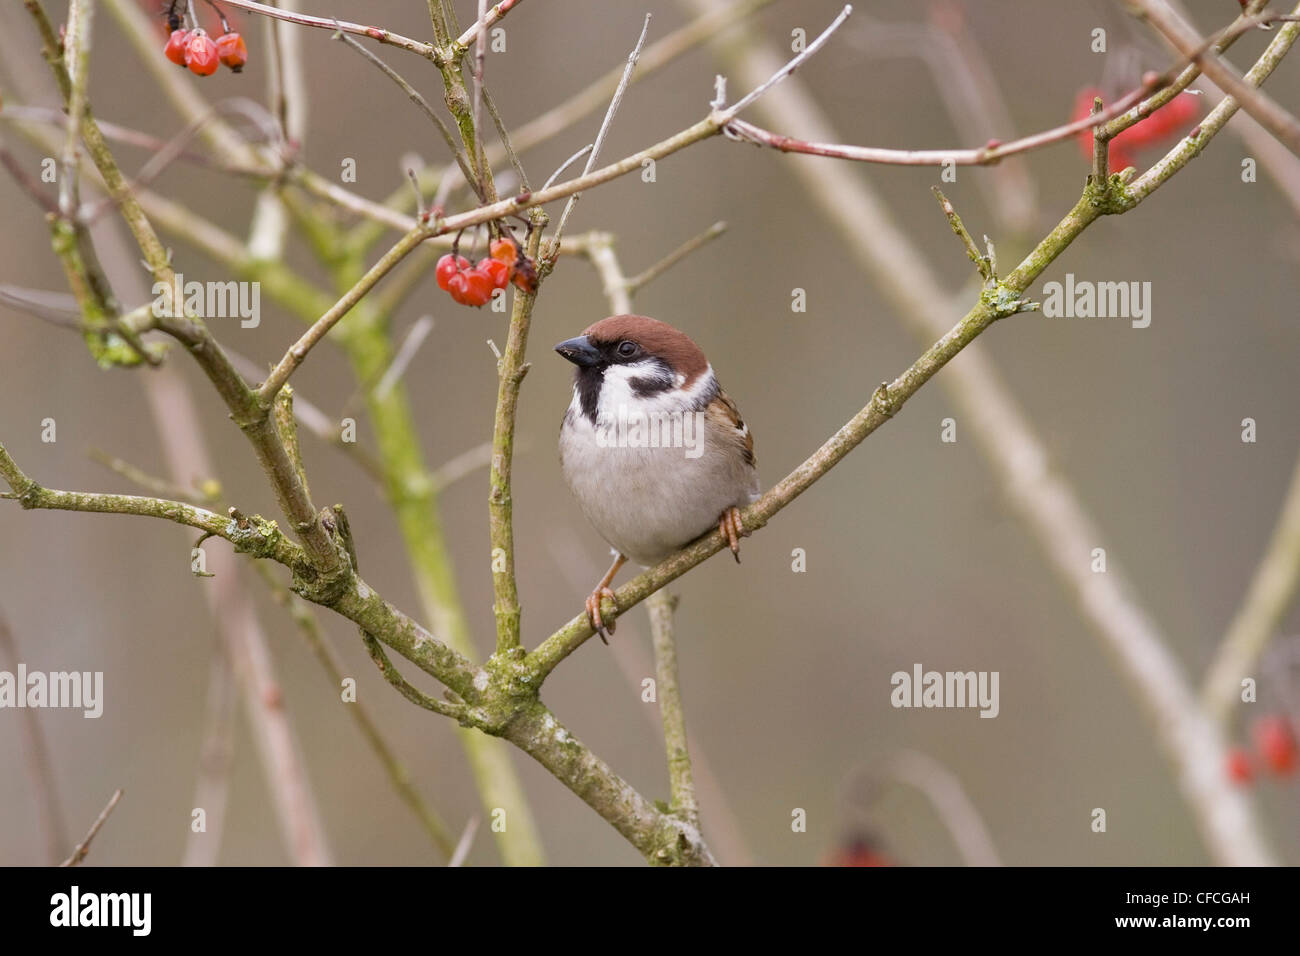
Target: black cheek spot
point(650, 385)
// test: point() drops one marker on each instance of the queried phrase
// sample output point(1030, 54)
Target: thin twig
point(83, 847)
point(405, 352)
point(792, 65)
point(207, 494)
point(677, 255)
point(426, 50)
point(506, 142)
point(465, 843)
point(36, 754)
point(76, 56)
point(298, 351)
point(982, 262)
point(404, 687)
point(462, 465)
point(566, 164)
point(484, 22)
point(414, 95)
point(1100, 147)
point(604, 127)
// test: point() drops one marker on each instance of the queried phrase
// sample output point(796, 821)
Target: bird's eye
point(627, 349)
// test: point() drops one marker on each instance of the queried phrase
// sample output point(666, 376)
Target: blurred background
point(913, 555)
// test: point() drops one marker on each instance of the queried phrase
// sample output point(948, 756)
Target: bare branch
point(83, 847)
point(610, 113)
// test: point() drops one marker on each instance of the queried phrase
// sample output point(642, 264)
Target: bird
point(652, 448)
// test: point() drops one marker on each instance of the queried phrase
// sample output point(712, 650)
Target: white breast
point(649, 501)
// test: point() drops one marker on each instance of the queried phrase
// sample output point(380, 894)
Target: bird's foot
point(732, 529)
point(593, 612)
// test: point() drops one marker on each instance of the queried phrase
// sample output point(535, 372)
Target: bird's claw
point(593, 612)
point(732, 529)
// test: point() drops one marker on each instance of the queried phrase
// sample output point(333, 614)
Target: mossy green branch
point(510, 374)
point(662, 838)
point(668, 690)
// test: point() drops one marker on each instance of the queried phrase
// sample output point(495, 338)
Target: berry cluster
point(196, 50)
point(474, 285)
point(1275, 751)
point(1161, 126)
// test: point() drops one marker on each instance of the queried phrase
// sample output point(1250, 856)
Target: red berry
point(1275, 744)
point(1239, 768)
point(456, 287)
point(201, 54)
point(232, 50)
point(504, 250)
point(175, 48)
point(496, 270)
point(478, 287)
point(447, 267)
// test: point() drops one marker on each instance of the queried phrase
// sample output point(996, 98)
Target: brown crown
point(657, 338)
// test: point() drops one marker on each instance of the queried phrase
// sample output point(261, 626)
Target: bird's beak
point(579, 351)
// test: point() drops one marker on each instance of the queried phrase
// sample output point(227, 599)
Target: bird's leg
point(732, 529)
point(602, 590)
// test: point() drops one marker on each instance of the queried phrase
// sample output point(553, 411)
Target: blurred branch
point(1271, 590)
point(1183, 38)
point(1190, 146)
point(208, 493)
point(661, 605)
point(216, 759)
point(40, 769)
point(677, 255)
point(400, 778)
point(83, 847)
point(951, 803)
point(465, 843)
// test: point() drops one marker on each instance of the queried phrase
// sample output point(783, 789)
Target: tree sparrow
point(651, 446)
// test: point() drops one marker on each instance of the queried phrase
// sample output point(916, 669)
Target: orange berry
point(201, 54)
point(232, 50)
point(175, 48)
